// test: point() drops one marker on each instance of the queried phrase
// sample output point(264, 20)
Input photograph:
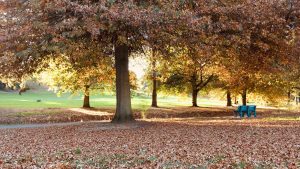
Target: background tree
point(188, 71)
point(152, 75)
point(61, 76)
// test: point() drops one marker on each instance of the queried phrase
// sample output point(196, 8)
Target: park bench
point(246, 109)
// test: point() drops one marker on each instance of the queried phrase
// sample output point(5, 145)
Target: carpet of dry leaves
point(56, 115)
point(50, 115)
point(190, 142)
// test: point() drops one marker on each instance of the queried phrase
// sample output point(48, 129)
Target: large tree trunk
point(86, 99)
point(123, 109)
point(229, 102)
point(195, 95)
point(154, 81)
point(195, 89)
point(244, 97)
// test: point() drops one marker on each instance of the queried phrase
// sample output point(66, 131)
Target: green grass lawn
point(51, 100)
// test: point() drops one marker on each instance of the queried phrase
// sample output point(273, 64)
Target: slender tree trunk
point(298, 98)
point(123, 109)
point(244, 97)
point(154, 93)
point(154, 81)
point(86, 99)
point(229, 102)
point(289, 97)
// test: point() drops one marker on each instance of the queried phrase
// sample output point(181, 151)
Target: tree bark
point(154, 94)
point(244, 97)
point(235, 100)
point(229, 102)
point(154, 81)
point(195, 95)
point(86, 99)
point(197, 86)
point(123, 109)
point(289, 97)
point(195, 89)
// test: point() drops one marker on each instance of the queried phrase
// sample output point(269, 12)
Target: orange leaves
point(43, 3)
point(234, 24)
point(201, 141)
point(156, 144)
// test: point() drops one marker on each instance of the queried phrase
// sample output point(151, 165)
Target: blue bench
point(246, 109)
point(251, 109)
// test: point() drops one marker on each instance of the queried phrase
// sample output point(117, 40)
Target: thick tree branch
point(202, 84)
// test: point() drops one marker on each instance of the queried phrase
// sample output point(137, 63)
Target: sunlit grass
point(45, 99)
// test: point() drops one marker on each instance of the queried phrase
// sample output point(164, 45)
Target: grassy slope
point(50, 100)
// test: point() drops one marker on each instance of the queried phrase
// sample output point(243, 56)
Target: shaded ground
point(49, 115)
point(41, 125)
point(214, 112)
point(157, 143)
point(46, 115)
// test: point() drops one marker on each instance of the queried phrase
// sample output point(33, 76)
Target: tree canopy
point(260, 35)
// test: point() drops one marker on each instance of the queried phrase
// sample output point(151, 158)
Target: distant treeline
point(2, 86)
point(6, 87)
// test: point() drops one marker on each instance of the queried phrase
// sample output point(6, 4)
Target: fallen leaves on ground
point(49, 115)
point(52, 115)
point(156, 143)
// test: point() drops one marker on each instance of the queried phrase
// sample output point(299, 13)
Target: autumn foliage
point(245, 40)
